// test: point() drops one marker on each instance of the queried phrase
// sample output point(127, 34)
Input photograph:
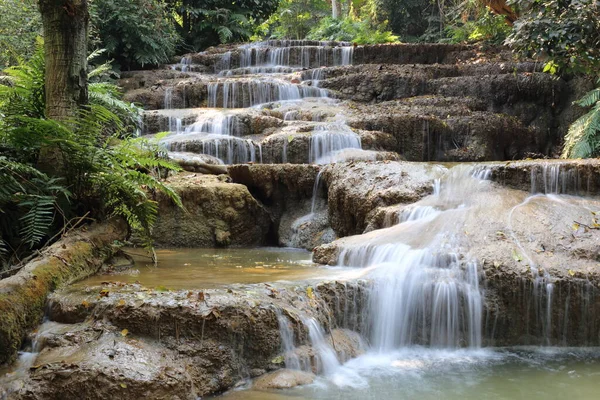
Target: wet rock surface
point(129, 341)
point(355, 190)
point(23, 295)
point(283, 379)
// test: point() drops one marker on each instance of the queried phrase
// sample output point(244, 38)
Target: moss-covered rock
point(23, 296)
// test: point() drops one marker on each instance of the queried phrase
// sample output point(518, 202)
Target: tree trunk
point(65, 24)
point(335, 9)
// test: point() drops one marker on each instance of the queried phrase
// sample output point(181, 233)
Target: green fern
point(38, 219)
point(107, 171)
point(583, 137)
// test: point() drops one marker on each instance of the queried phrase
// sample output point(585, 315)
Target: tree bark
point(65, 24)
point(335, 9)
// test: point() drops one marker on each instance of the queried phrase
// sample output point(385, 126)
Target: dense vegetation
point(104, 171)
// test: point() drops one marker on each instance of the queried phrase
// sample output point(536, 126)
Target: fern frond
point(583, 139)
point(589, 99)
point(38, 219)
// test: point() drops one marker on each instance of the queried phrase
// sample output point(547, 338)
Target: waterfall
point(215, 134)
point(327, 140)
point(427, 294)
point(286, 333)
point(251, 92)
point(278, 54)
point(175, 124)
point(315, 195)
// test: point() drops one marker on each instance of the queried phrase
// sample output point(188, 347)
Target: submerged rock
point(283, 379)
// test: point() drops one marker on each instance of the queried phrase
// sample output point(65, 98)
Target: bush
point(487, 27)
point(583, 138)
point(293, 19)
point(348, 29)
point(567, 32)
point(203, 23)
point(134, 32)
point(20, 24)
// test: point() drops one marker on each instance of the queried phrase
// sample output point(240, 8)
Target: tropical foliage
point(293, 19)
point(134, 32)
point(106, 171)
point(203, 23)
point(353, 30)
point(566, 32)
point(583, 139)
point(20, 24)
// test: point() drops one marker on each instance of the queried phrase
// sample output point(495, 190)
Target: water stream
point(255, 76)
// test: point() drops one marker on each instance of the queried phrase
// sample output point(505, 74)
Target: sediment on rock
point(286, 190)
point(23, 296)
point(198, 342)
point(355, 190)
point(216, 213)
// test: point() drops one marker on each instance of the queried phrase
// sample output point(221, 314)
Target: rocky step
point(225, 93)
point(314, 56)
point(573, 177)
point(246, 122)
point(424, 71)
point(198, 342)
point(290, 144)
point(241, 122)
point(419, 129)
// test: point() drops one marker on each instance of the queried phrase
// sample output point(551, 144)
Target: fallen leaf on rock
point(124, 332)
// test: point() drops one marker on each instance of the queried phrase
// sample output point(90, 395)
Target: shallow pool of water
point(427, 374)
point(213, 268)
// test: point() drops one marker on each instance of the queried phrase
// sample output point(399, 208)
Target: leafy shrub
point(583, 138)
point(486, 26)
point(293, 19)
point(203, 23)
point(134, 32)
point(565, 31)
point(348, 29)
point(20, 24)
point(106, 171)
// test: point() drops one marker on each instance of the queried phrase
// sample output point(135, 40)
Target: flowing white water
point(329, 139)
point(254, 75)
point(215, 134)
point(175, 124)
point(250, 92)
point(425, 293)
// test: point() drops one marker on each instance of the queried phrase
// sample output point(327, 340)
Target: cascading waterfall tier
point(425, 291)
point(215, 134)
point(327, 141)
point(287, 53)
point(254, 75)
point(250, 92)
